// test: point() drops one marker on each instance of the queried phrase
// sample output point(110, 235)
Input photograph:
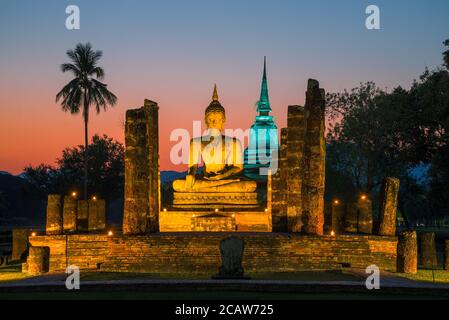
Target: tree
point(446, 54)
point(106, 166)
point(364, 143)
point(85, 90)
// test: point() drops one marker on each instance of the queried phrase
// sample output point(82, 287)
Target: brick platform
point(198, 253)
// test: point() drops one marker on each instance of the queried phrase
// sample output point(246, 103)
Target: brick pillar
point(407, 252)
point(387, 208)
point(296, 128)
point(279, 187)
point(365, 215)
point(69, 214)
point(446, 254)
point(83, 215)
point(141, 212)
point(314, 160)
point(337, 216)
point(19, 244)
point(351, 214)
point(54, 215)
point(428, 250)
point(97, 215)
point(38, 260)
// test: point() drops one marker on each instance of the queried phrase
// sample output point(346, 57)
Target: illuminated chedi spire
point(263, 135)
point(263, 106)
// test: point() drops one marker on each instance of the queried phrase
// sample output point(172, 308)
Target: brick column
point(83, 215)
point(314, 160)
point(296, 128)
point(279, 187)
point(69, 214)
point(387, 208)
point(428, 250)
point(54, 215)
point(38, 260)
point(141, 212)
point(97, 215)
point(19, 244)
point(407, 252)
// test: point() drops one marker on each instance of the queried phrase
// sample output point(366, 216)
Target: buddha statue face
point(215, 120)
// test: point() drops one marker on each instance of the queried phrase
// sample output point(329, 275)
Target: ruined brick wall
point(141, 213)
point(296, 128)
point(314, 160)
point(279, 186)
point(305, 163)
point(197, 253)
point(84, 251)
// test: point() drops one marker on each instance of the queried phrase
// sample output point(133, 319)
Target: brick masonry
point(198, 253)
point(141, 213)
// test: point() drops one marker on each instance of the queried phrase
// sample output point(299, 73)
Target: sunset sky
point(173, 52)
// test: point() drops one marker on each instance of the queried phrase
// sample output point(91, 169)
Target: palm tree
point(85, 89)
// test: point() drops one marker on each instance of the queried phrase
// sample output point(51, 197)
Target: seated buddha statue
point(222, 157)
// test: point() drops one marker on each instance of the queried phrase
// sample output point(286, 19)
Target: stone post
point(83, 215)
point(387, 209)
point(54, 215)
point(279, 187)
point(337, 216)
point(428, 250)
point(69, 214)
point(296, 128)
point(141, 212)
point(446, 255)
point(365, 215)
point(38, 260)
point(19, 244)
point(314, 160)
point(97, 215)
point(407, 252)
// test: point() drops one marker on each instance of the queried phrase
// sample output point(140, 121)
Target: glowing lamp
point(165, 209)
point(266, 209)
point(332, 233)
point(94, 198)
point(336, 201)
point(33, 234)
point(363, 197)
point(74, 194)
point(110, 233)
point(216, 210)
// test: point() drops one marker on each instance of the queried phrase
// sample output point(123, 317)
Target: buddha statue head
point(215, 116)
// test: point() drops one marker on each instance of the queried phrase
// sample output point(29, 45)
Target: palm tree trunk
point(86, 142)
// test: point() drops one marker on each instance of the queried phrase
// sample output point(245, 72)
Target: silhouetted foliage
point(378, 133)
point(105, 168)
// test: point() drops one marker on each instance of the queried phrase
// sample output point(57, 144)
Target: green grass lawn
point(12, 273)
point(437, 276)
